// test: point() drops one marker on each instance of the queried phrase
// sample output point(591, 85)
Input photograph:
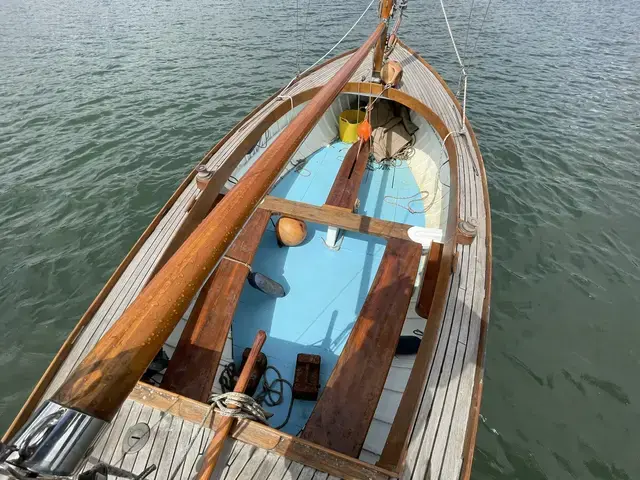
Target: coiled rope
point(239, 405)
point(271, 395)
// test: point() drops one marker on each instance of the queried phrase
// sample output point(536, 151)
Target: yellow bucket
point(349, 121)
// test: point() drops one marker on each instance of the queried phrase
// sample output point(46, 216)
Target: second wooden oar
point(217, 442)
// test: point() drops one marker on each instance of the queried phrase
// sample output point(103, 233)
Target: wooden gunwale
point(474, 412)
point(38, 391)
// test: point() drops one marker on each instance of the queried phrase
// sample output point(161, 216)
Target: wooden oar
point(217, 442)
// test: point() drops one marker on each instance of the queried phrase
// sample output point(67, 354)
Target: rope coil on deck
point(239, 405)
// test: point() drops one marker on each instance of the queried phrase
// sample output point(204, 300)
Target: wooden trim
point(429, 280)
point(385, 9)
point(337, 217)
point(261, 436)
point(474, 411)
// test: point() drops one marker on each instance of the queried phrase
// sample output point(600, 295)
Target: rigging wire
point(486, 11)
point(297, 35)
point(330, 50)
point(462, 82)
point(463, 73)
point(304, 35)
point(466, 39)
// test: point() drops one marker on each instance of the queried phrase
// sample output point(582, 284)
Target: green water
point(106, 105)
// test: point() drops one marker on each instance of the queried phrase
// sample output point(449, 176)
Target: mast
point(378, 57)
point(99, 385)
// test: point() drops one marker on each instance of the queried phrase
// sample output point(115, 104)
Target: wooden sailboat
point(389, 252)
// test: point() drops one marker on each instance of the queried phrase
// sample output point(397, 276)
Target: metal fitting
point(54, 441)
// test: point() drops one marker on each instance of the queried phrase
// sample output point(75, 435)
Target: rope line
point(332, 48)
point(272, 393)
point(238, 405)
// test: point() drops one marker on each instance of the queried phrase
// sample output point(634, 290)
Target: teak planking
point(429, 280)
point(344, 191)
point(261, 436)
point(339, 217)
point(104, 378)
point(192, 367)
point(477, 388)
point(340, 419)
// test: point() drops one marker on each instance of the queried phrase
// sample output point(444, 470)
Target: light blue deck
point(325, 288)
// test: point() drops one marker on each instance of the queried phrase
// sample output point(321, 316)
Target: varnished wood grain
point(344, 191)
point(215, 447)
point(195, 361)
point(338, 217)
point(340, 419)
point(386, 7)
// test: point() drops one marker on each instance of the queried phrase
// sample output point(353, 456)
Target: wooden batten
point(378, 56)
point(344, 191)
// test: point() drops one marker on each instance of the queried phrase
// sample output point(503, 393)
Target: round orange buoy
point(364, 130)
point(291, 231)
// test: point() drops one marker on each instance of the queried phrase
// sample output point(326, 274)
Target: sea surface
point(105, 105)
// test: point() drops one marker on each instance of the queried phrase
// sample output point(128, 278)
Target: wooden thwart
point(344, 191)
point(341, 418)
point(338, 217)
point(195, 361)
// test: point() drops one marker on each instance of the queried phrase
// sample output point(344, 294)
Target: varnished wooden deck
point(437, 441)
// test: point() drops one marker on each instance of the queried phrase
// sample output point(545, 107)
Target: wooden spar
point(200, 348)
point(378, 56)
point(106, 376)
point(215, 447)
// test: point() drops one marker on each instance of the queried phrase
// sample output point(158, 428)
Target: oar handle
point(215, 447)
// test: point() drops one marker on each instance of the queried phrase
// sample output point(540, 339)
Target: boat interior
point(342, 288)
point(373, 299)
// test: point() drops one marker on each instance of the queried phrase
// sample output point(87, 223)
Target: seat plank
point(339, 217)
point(342, 415)
point(344, 191)
point(192, 367)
